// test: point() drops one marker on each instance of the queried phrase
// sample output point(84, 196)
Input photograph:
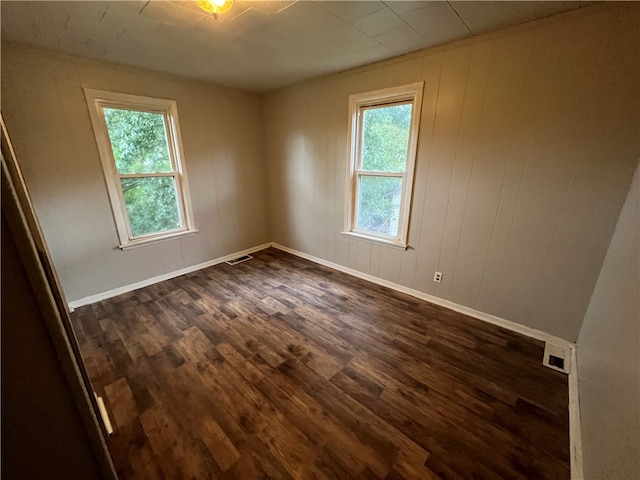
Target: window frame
point(358, 103)
point(97, 100)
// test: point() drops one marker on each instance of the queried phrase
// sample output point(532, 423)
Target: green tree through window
point(141, 154)
point(385, 140)
point(138, 141)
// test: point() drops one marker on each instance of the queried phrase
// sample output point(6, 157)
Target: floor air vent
point(241, 259)
point(557, 357)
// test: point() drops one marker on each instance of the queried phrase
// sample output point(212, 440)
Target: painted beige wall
point(527, 145)
point(609, 356)
point(47, 117)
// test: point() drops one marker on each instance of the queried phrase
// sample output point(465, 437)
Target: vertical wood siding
point(527, 147)
point(222, 134)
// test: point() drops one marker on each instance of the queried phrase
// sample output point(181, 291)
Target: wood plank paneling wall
point(527, 146)
point(47, 117)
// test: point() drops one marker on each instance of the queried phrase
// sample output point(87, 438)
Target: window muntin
point(139, 143)
point(383, 137)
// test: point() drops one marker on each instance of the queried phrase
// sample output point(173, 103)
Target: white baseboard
point(501, 322)
point(575, 433)
point(160, 278)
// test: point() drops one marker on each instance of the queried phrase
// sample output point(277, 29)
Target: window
point(139, 143)
point(383, 137)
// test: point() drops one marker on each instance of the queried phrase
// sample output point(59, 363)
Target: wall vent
point(557, 357)
point(238, 260)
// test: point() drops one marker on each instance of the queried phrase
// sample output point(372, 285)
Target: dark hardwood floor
point(279, 368)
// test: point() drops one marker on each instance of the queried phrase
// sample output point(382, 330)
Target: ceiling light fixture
point(215, 7)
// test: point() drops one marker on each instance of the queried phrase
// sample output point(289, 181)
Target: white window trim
point(411, 93)
point(99, 99)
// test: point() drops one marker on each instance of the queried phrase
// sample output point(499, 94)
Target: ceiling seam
point(405, 22)
point(352, 25)
point(460, 18)
point(104, 13)
point(145, 6)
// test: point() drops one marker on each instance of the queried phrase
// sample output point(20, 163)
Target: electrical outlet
point(437, 277)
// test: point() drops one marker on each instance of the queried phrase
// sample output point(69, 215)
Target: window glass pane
point(379, 204)
point(385, 138)
point(152, 204)
point(138, 141)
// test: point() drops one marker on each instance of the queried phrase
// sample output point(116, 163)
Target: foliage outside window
point(383, 137)
point(139, 145)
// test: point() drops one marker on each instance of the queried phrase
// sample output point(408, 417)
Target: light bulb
point(214, 7)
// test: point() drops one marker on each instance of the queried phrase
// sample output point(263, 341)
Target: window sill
point(381, 241)
point(149, 241)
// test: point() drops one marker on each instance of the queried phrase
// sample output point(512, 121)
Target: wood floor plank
point(278, 368)
point(178, 459)
point(257, 463)
point(141, 458)
point(324, 431)
point(120, 398)
point(221, 448)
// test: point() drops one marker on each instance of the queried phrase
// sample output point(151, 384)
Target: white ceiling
point(257, 45)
